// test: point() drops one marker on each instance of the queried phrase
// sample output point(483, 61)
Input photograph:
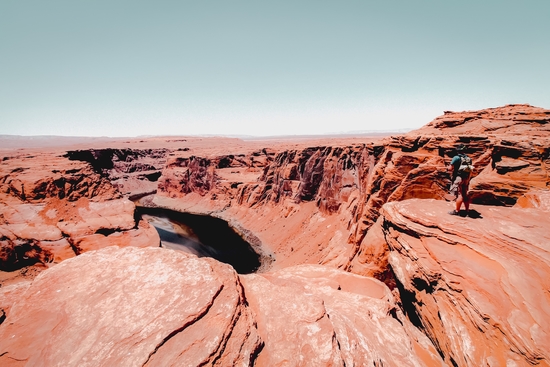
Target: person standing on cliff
point(461, 169)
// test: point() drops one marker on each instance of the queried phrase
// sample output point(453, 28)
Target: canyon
point(356, 260)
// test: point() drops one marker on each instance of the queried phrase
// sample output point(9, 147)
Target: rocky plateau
point(360, 263)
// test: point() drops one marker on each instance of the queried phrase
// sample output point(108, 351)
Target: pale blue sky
point(127, 68)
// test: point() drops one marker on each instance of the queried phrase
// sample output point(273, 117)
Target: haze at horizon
point(128, 68)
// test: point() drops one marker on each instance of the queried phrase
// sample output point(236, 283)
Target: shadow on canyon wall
point(204, 236)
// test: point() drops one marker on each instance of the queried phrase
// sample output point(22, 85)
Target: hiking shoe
point(453, 212)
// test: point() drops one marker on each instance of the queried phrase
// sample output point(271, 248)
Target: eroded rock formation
point(133, 307)
point(157, 307)
point(362, 264)
point(329, 196)
point(513, 120)
point(133, 172)
point(52, 209)
point(477, 287)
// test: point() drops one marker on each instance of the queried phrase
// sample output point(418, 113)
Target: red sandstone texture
point(158, 307)
point(315, 205)
point(133, 307)
point(327, 215)
point(478, 287)
point(52, 209)
point(519, 119)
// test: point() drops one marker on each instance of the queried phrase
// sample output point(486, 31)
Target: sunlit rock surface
point(478, 288)
point(156, 307)
point(132, 307)
point(52, 209)
point(312, 315)
point(324, 215)
point(316, 204)
point(133, 172)
point(513, 120)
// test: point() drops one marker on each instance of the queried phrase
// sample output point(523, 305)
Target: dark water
point(203, 236)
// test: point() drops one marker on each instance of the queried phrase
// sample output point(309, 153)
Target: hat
point(460, 147)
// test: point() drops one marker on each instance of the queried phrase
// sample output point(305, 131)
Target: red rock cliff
point(455, 291)
point(52, 209)
point(315, 205)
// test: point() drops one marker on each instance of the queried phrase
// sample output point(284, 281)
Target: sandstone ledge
point(477, 287)
point(158, 307)
point(130, 307)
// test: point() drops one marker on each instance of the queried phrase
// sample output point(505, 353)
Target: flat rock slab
point(122, 307)
point(158, 307)
point(312, 315)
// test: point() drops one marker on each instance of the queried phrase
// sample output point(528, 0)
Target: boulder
point(129, 307)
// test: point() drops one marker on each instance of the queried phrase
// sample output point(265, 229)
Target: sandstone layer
point(157, 307)
point(133, 307)
point(478, 288)
point(133, 172)
point(513, 120)
point(315, 205)
point(52, 209)
point(361, 264)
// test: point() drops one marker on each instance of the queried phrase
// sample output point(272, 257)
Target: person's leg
point(459, 197)
point(458, 203)
point(455, 190)
point(465, 195)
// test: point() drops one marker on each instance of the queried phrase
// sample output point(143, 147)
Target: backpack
point(466, 166)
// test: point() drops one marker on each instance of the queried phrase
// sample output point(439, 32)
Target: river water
point(204, 236)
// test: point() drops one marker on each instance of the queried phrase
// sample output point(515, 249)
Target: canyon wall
point(362, 265)
point(315, 205)
point(469, 292)
point(52, 209)
point(133, 172)
point(478, 288)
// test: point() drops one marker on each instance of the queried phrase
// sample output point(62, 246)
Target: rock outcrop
point(361, 264)
point(38, 177)
point(52, 209)
point(133, 172)
point(478, 288)
point(312, 315)
point(472, 292)
point(513, 120)
point(146, 307)
point(158, 307)
point(316, 205)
